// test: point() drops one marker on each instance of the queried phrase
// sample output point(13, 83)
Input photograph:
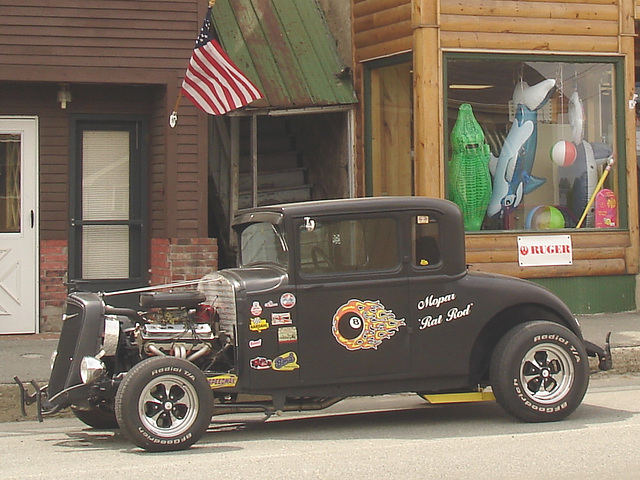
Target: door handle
point(33, 219)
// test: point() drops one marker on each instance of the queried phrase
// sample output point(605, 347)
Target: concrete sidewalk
point(29, 356)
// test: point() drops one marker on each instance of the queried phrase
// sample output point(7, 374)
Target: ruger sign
point(545, 250)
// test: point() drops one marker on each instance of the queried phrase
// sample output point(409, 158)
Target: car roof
point(347, 206)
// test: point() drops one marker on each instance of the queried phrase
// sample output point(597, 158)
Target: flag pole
point(173, 118)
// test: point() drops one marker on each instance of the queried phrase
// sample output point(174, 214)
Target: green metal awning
point(286, 49)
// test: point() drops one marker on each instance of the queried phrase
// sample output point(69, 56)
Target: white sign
point(540, 250)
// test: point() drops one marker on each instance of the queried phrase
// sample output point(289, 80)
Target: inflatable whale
point(512, 177)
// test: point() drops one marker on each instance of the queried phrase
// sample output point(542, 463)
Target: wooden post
point(254, 160)
point(627, 34)
point(428, 99)
point(234, 176)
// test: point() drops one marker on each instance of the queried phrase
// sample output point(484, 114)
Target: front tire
point(163, 404)
point(539, 372)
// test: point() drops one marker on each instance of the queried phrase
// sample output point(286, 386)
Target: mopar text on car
point(331, 299)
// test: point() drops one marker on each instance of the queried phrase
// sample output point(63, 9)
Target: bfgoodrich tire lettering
point(164, 403)
point(539, 372)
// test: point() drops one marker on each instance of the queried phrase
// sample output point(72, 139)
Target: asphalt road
point(393, 436)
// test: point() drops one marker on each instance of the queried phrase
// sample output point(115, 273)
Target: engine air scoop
point(189, 299)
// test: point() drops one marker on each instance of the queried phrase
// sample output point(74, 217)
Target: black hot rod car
point(331, 299)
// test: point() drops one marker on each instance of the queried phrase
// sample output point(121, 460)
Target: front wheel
point(164, 403)
point(539, 372)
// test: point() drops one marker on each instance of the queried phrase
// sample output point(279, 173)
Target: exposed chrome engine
point(179, 324)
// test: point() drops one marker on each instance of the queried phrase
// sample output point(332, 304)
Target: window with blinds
point(105, 197)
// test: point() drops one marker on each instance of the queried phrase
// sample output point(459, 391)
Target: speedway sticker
point(287, 335)
point(288, 300)
point(364, 324)
point(260, 363)
point(256, 309)
point(281, 319)
point(255, 343)
point(286, 362)
point(258, 324)
point(222, 381)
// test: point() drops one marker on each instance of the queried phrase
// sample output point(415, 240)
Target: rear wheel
point(164, 403)
point(539, 372)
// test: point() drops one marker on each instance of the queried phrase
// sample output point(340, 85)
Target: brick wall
point(54, 259)
point(172, 260)
point(181, 259)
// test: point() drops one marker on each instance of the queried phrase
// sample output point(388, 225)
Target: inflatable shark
point(578, 180)
point(512, 177)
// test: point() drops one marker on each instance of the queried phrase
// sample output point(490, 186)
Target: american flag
point(213, 82)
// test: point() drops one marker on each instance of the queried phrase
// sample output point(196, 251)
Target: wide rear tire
point(164, 403)
point(539, 372)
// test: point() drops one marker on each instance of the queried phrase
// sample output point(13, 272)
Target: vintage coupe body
point(331, 299)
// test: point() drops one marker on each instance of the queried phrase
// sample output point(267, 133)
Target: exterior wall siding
point(131, 43)
point(381, 27)
point(123, 57)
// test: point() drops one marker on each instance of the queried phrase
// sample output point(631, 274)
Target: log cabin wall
point(429, 29)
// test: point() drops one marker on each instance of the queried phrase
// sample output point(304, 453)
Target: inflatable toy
point(469, 178)
point(580, 177)
point(512, 178)
point(563, 153)
point(544, 217)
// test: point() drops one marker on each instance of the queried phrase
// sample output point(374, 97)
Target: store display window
point(534, 142)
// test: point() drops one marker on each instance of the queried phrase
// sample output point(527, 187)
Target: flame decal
point(364, 324)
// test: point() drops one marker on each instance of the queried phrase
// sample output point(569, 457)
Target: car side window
point(426, 241)
point(348, 246)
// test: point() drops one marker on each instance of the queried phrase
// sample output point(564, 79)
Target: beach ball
point(544, 217)
point(563, 153)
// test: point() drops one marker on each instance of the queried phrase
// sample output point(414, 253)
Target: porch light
point(64, 95)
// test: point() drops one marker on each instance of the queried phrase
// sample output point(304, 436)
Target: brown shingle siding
point(129, 34)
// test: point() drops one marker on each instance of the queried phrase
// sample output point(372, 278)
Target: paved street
point(362, 438)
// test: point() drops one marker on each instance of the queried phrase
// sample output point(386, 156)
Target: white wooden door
point(18, 225)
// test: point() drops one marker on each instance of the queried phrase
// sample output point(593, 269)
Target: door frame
point(29, 208)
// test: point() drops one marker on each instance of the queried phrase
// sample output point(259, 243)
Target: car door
point(444, 309)
point(351, 299)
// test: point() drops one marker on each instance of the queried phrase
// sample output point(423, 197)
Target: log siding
point(384, 28)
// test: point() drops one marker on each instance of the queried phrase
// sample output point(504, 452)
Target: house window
point(390, 125)
point(10, 183)
point(529, 140)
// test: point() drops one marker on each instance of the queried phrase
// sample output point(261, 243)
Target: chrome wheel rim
point(168, 406)
point(547, 373)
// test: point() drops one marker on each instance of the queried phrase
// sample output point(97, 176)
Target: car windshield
point(262, 243)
